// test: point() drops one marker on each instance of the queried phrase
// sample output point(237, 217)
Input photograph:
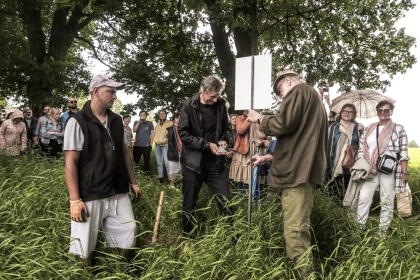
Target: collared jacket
point(49, 127)
point(30, 129)
point(173, 151)
point(161, 133)
point(301, 128)
point(101, 167)
point(190, 131)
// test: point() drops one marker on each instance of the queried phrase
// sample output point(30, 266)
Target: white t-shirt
point(73, 135)
point(371, 142)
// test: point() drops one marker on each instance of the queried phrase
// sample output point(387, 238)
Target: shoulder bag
point(386, 163)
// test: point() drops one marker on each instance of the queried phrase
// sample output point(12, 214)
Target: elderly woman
point(382, 138)
point(52, 133)
point(341, 133)
point(13, 137)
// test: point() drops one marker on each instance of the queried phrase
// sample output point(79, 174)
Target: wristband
point(75, 201)
point(404, 172)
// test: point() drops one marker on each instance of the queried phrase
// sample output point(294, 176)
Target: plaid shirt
point(397, 145)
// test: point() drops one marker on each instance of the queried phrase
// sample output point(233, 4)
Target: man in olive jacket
point(203, 125)
point(298, 160)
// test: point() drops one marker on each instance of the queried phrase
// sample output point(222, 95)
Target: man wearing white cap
point(298, 160)
point(98, 171)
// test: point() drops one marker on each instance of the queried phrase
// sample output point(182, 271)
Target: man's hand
point(253, 116)
point(229, 154)
point(260, 160)
point(76, 209)
point(215, 149)
point(137, 190)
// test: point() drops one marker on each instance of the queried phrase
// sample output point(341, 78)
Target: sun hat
point(281, 75)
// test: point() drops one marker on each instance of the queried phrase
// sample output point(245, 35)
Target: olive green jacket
point(302, 129)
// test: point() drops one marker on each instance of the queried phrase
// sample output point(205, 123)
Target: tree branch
point(94, 51)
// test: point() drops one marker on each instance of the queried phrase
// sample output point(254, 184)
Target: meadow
point(35, 228)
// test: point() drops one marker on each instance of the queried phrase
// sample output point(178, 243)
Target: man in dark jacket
point(98, 171)
point(202, 127)
point(30, 123)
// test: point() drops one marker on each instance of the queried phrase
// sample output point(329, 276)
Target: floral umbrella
point(364, 100)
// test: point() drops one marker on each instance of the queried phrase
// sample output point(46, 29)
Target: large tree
point(42, 58)
point(167, 50)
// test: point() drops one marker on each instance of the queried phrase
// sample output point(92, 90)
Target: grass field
point(35, 228)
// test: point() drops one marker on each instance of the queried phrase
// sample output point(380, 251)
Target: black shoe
point(161, 180)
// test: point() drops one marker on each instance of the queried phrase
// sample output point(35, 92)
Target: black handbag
point(385, 164)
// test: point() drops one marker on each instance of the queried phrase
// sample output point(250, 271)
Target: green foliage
point(42, 63)
point(413, 144)
point(157, 49)
point(35, 229)
point(168, 49)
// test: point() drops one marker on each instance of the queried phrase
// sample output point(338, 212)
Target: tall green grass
point(35, 228)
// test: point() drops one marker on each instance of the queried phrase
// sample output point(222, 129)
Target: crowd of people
point(311, 147)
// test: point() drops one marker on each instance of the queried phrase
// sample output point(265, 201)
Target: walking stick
point(158, 213)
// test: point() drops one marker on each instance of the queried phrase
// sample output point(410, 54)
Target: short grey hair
point(212, 83)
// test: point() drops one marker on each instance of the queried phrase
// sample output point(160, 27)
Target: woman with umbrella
point(342, 133)
point(382, 138)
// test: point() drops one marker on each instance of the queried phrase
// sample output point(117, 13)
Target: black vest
point(102, 172)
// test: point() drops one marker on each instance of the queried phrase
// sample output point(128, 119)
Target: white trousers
point(386, 184)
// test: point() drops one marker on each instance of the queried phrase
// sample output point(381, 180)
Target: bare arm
point(152, 137)
point(128, 162)
point(136, 126)
point(71, 173)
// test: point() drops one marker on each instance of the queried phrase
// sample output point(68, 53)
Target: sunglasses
point(71, 102)
point(386, 111)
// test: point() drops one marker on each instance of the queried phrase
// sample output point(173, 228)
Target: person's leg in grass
point(146, 157)
point(191, 186)
point(297, 205)
point(159, 161)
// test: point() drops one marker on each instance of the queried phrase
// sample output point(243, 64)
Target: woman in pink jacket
point(13, 137)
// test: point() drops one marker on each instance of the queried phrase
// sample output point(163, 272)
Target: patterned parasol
point(364, 100)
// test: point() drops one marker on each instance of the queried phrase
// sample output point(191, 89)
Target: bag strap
point(377, 136)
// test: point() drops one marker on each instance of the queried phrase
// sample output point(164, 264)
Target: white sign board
point(262, 82)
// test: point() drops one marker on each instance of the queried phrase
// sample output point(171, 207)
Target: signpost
point(253, 76)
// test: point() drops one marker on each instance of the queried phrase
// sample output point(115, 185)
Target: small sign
point(262, 82)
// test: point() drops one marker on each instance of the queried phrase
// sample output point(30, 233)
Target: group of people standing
point(99, 167)
point(384, 137)
point(166, 139)
point(22, 131)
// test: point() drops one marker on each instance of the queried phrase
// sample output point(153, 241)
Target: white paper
point(243, 83)
point(262, 82)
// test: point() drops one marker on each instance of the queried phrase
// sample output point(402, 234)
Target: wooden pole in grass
point(158, 213)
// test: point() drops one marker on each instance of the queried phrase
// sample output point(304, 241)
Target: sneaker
point(161, 180)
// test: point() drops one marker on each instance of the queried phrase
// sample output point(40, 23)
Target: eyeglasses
point(279, 86)
point(347, 112)
point(385, 111)
point(71, 102)
point(28, 112)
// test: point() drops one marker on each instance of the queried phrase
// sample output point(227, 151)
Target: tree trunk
point(246, 42)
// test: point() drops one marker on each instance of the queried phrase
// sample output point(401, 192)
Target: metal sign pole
point(250, 150)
